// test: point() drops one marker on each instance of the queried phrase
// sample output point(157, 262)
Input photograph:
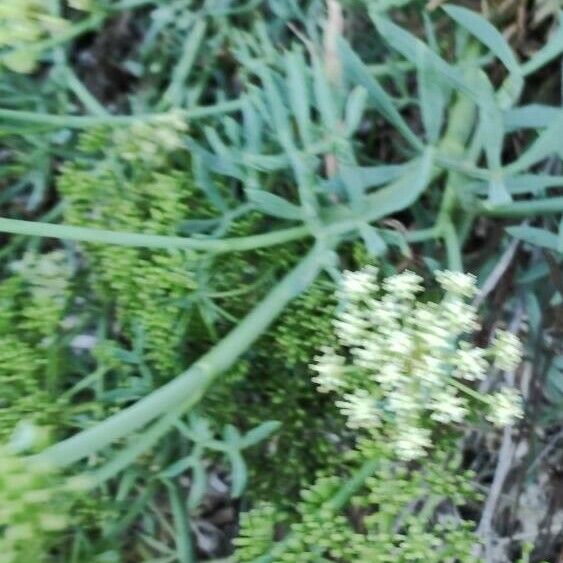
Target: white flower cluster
point(505, 407)
point(151, 141)
point(24, 23)
point(409, 361)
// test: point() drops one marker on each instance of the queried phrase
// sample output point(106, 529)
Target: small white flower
point(389, 375)
point(360, 409)
point(470, 362)
point(507, 349)
point(429, 369)
point(370, 353)
point(447, 407)
point(360, 284)
point(351, 327)
point(412, 442)
point(461, 317)
point(505, 407)
point(383, 313)
point(399, 342)
point(404, 285)
point(457, 283)
point(402, 403)
point(330, 370)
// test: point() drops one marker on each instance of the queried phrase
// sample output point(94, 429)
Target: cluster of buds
point(25, 23)
point(405, 364)
point(150, 142)
point(28, 508)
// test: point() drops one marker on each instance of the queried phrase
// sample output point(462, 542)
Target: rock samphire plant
point(285, 176)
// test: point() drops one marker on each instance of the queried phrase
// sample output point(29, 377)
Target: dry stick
point(333, 29)
point(506, 453)
point(497, 273)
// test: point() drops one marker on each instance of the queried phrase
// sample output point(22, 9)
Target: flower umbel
point(505, 407)
point(408, 358)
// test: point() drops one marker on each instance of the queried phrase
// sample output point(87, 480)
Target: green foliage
point(33, 509)
point(34, 301)
point(254, 132)
point(128, 189)
point(396, 514)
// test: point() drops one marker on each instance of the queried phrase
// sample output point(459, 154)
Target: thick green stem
point(525, 208)
point(461, 120)
point(85, 121)
point(86, 234)
point(192, 384)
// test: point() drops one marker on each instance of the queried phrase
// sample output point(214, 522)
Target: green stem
point(64, 36)
point(453, 143)
point(86, 234)
point(182, 536)
point(453, 250)
point(138, 445)
point(90, 103)
point(85, 121)
point(340, 500)
point(173, 94)
point(192, 384)
point(525, 208)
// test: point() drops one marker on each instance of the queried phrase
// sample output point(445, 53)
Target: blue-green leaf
point(274, 205)
point(552, 49)
point(403, 192)
point(198, 485)
point(355, 106)
point(239, 474)
point(433, 96)
point(298, 91)
point(498, 194)
point(548, 143)
point(533, 116)
point(486, 33)
point(535, 236)
point(375, 245)
point(259, 433)
point(178, 467)
point(358, 73)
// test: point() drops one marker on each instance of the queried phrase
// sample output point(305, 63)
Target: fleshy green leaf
point(358, 73)
point(536, 236)
point(355, 107)
point(260, 433)
point(433, 97)
point(486, 33)
point(274, 205)
point(375, 245)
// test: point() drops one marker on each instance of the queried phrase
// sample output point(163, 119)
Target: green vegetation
point(281, 280)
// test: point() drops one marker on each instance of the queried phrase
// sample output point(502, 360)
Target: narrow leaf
point(274, 205)
point(433, 97)
point(548, 143)
point(298, 92)
point(486, 33)
point(536, 236)
point(259, 433)
point(355, 106)
point(358, 73)
point(533, 116)
point(401, 193)
point(552, 49)
point(498, 194)
point(239, 474)
point(375, 245)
